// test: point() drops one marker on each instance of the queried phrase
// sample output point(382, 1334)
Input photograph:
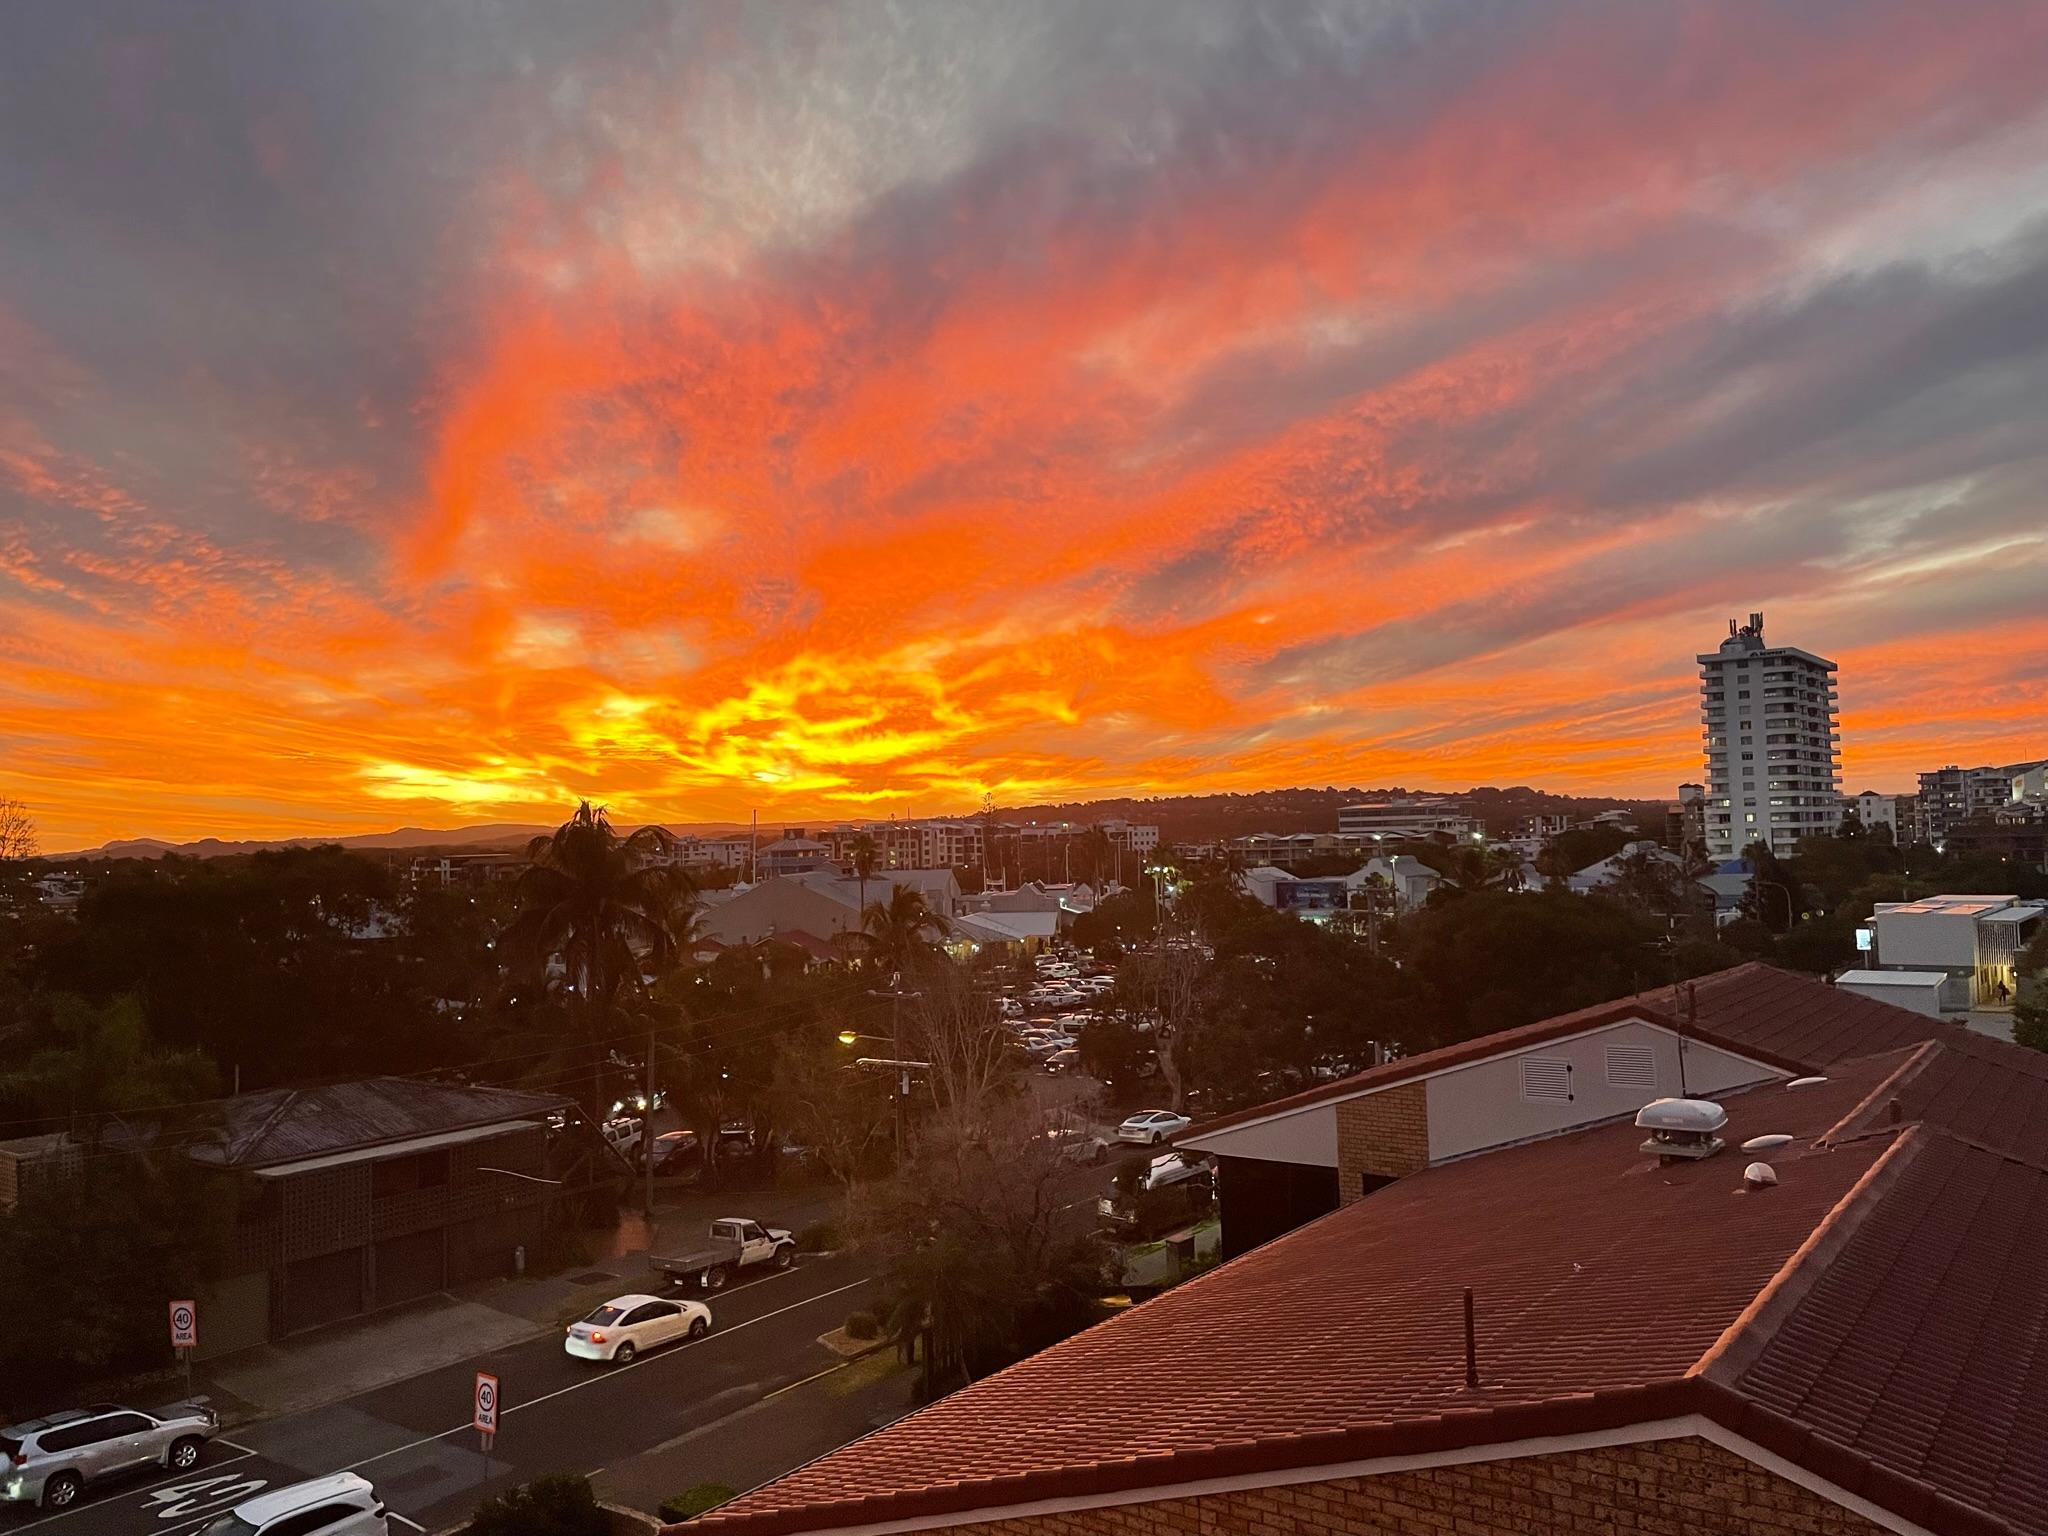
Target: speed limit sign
point(184, 1325)
point(486, 1418)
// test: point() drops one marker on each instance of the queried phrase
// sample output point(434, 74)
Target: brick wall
point(1663, 1488)
point(1385, 1134)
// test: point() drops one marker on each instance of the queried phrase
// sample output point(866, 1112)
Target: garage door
point(323, 1290)
point(408, 1266)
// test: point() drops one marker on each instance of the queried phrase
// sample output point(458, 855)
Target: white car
point(1150, 1126)
point(626, 1325)
point(341, 1504)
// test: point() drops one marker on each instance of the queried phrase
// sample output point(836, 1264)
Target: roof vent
point(1759, 1176)
point(1769, 1143)
point(1681, 1128)
point(1806, 1082)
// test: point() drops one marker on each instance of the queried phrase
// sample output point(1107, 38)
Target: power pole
point(647, 1132)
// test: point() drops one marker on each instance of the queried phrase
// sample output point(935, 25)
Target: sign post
point(485, 1416)
point(185, 1336)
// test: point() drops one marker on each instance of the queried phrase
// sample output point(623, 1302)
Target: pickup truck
point(736, 1243)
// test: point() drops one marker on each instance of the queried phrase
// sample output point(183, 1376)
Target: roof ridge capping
point(1744, 1339)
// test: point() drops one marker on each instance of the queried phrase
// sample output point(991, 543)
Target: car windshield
point(230, 1524)
point(606, 1314)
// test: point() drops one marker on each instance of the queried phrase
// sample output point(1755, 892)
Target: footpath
point(336, 1362)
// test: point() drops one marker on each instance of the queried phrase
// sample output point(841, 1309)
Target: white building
point(1951, 796)
point(1414, 820)
point(1768, 714)
point(1875, 810)
point(1973, 939)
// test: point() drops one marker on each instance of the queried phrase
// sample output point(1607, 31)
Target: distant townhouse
point(796, 852)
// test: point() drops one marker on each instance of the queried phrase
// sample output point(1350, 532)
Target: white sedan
point(1151, 1126)
point(626, 1325)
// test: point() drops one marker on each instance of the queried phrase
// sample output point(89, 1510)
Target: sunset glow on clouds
point(429, 414)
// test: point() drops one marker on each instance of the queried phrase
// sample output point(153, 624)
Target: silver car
point(50, 1460)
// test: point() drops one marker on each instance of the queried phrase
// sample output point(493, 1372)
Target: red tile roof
point(1921, 1347)
point(1600, 1278)
point(1880, 1317)
point(1755, 1010)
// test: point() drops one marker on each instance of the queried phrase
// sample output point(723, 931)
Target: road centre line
point(613, 1374)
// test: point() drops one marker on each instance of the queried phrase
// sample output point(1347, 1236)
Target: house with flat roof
point(1977, 940)
point(1831, 1323)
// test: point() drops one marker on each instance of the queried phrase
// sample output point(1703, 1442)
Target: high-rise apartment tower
point(1768, 713)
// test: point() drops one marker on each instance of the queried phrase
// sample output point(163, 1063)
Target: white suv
point(339, 1505)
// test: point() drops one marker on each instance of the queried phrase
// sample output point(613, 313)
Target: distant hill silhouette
point(1180, 818)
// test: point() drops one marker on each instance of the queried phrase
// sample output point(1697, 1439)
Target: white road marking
point(402, 1520)
point(143, 1488)
point(612, 1374)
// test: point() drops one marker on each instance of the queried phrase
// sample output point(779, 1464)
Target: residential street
point(413, 1439)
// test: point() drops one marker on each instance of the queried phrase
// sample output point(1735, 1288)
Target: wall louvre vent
point(1631, 1066)
point(1546, 1080)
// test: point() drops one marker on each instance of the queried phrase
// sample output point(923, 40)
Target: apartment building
point(1409, 820)
point(1768, 724)
point(1951, 796)
point(924, 844)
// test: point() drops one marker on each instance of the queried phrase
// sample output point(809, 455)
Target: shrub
point(694, 1501)
point(819, 1237)
point(556, 1505)
point(862, 1325)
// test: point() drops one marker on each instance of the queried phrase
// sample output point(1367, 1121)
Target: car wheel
point(61, 1491)
point(785, 1256)
point(1157, 1137)
point(184, 1455)
point(699, 1326)
point(624, 1354)
point(717, 1279)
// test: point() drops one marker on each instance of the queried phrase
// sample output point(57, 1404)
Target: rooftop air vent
point(1806, 1082)
point(1769, 1143)
point(1681, 1128)
point(1759, 1176)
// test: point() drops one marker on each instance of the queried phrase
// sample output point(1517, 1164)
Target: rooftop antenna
point(1692, 1021)
point(1471, 1345)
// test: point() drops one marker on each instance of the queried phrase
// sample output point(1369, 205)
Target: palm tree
point(902, 932)
point(608, 907)
point(864, 856)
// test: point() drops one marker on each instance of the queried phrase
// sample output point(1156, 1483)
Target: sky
point(435, 413)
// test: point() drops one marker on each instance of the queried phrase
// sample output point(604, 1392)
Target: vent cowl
point(1681, 1128)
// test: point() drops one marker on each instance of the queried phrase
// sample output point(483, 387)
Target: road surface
point(413, 1440)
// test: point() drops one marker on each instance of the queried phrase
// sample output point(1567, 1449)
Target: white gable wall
point(1482, 1104)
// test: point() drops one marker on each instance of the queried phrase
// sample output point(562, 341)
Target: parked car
point(627, 1326)
point(340, 1504)
point(736, 1243)
point(1150, 1126)
point(676, 1153)
point(49, 1461)
point(1078, 1144)
point(623, 1133)
point(1065, 1059)
point(1177, 1167)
